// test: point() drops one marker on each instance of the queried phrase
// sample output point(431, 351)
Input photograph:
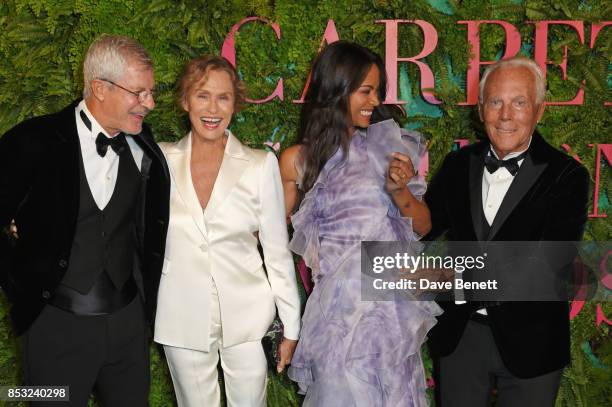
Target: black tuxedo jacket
point(39, 189)
point(547, 201)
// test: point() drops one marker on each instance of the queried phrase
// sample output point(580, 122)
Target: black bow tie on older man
point(493, 164)
point(117, 143)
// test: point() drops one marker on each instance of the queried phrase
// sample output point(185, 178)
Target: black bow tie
point(117, 143)
point(511, 164)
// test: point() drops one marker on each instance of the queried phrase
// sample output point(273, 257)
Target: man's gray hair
point(108, 57)
point(530, 64)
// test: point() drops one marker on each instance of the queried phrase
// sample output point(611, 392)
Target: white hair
point(108, 57)
point(530, 64)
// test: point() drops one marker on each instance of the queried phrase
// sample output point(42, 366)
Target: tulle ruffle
point(305, 241)
point(384, 138)
point(354, 352)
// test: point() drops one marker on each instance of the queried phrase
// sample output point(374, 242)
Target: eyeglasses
point(142, 95)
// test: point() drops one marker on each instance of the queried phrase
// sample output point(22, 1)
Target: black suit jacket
point(39, 189)
point(547, 201)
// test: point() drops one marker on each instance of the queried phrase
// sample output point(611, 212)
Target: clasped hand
point(400, 172)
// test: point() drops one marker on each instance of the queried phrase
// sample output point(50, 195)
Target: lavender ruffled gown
point(353, 352)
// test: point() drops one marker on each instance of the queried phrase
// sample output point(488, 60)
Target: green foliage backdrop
point(42, 43)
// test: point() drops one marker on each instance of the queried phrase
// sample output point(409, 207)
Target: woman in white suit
point(215, 298)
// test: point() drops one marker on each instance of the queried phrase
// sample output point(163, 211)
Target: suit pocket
point(166, 266)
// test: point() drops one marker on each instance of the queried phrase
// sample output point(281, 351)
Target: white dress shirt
point(496, 185)
point(101, 172)
point(494, 188)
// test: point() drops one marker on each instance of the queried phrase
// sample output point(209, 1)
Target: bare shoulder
point(288, 162)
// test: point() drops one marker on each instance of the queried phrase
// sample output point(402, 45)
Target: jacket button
point(203, 247)
point(63, 263)
point(46, 294)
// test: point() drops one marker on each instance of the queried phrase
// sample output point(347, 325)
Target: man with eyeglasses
point(88, 190)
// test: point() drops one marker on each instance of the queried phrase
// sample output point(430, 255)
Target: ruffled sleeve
point(386, 137)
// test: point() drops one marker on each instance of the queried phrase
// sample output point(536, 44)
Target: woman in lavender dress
point(358, 186)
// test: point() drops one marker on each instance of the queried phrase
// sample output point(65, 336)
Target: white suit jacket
point(220, 244)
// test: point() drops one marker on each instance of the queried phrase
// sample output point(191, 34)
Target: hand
point(285, 353)
point(400, 172)
point(13, 230)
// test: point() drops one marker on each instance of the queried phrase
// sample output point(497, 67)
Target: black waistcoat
point(484, 224)
point(105, 240)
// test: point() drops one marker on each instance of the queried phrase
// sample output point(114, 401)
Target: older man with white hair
point(513, 187)
point(88, 190)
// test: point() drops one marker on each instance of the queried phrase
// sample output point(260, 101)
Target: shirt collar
point(512, 154)
point(95, 126)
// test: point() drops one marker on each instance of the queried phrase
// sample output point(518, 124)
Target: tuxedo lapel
point(475, 190)
point(528, 174)
point(69, 156)
point(235, 161)
point(179, 162)
point(150, 149)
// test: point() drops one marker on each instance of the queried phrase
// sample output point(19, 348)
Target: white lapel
point(235, 161)
point(179, 161)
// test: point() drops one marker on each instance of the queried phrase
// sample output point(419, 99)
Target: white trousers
point(194, 373)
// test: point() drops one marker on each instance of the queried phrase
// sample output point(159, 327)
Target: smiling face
point(118, 110)
point(210, 105)
point(363, 101)
point(509, 109)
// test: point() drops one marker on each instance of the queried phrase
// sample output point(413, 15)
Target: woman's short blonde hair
point(196, 71)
